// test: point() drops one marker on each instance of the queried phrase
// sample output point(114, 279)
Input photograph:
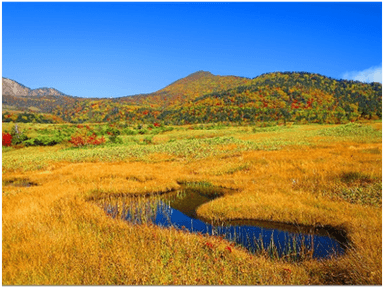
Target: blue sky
point(96, 49)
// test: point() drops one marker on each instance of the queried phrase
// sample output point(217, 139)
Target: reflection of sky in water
point(248, 236)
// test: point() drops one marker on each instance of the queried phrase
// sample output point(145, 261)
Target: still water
point(178, 209)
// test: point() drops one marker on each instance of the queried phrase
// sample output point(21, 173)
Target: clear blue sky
point(118, 49)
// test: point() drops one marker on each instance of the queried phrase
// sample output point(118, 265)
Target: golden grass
point(53, 234)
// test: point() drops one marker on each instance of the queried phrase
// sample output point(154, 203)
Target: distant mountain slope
point(289, 96)
point(46, 104)
point(13, 88)
point(203, 97)
point(187, 89)
point(21, 98)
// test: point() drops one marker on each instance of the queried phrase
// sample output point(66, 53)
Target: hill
point(203, 97)
point(290, 96)
point(187, 89)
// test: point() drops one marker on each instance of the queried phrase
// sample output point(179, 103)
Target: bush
point(7, 139)
point(79, 141)
point(92, 140)
point(43, 141)
point(18, 135)
point(112, 131)
point(115, 139)
point(130, 132)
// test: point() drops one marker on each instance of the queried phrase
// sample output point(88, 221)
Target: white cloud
point(372, 74)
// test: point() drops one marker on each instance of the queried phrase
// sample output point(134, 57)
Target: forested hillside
point(187, 89)
point(295, 97)
point(203, 97)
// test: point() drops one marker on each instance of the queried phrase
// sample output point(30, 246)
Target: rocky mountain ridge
point(13, 88)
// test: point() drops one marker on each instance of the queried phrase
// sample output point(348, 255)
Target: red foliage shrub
point(92, 140)
point(7, 139)
point(156, 124)
point(79, 141)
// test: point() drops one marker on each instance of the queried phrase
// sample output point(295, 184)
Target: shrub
point(130, 132)
point(79, 141)
point(7, 139)
point(18, 135)
point(112, 131)
point(92, 140)
point(115, 139)
point(164, 129)
point(43, 141)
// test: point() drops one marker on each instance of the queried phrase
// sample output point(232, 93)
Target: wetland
point(298, 205)
point(178, 209)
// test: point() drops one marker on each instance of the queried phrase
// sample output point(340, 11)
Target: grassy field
point(312, 174)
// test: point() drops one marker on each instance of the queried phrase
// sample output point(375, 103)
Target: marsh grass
point(53, 235)
point(183, 149)
point(140, 210)
point(271, 129)
point(361, 132)
point(352, 186)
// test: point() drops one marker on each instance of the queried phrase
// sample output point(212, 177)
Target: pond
point(19, 182)
point(178, 209)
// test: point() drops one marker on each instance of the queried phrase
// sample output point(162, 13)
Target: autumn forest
point(202, 97)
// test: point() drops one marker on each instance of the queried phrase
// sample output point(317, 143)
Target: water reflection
point(178, 210)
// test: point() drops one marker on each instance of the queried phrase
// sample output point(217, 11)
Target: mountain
point(202, 97)
point(186, 89)
point(289, 96)
point(13, 88)
point(17, 97)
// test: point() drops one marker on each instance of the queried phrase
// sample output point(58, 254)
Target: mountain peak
point(200, 73)
point(13, 88)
